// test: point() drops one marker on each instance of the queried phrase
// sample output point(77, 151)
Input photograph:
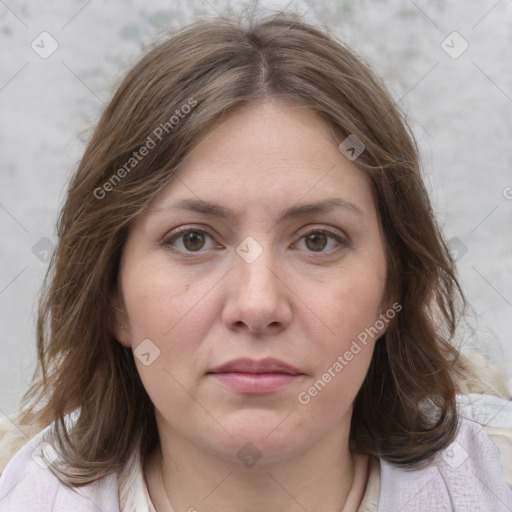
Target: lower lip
point(255, 383)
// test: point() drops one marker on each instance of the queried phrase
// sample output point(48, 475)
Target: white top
point(465, 477)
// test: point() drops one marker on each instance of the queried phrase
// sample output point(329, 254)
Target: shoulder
point(12, 438)
point(467, 476)
point(28, 484)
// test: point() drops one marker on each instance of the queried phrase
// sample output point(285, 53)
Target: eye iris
point(193, 237)
point(315, 238)
point(194, 241)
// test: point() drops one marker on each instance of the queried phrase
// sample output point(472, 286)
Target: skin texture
point(303, 300)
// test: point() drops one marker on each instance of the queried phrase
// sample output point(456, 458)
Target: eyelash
point(331, 232)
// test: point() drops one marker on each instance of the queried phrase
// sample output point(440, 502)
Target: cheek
point(349, 308)
point(160, 302)
point(350, 303)
point(167, 319)
point(170, 314)
point(359, 303)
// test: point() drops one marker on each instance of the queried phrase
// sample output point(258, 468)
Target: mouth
point(249, 376)
point(253, 366)
point(255, 383)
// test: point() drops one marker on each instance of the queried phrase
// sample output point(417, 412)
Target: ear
point(119, 325)
point(388, 310)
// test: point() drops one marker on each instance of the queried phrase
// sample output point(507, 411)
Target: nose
point(257, 294)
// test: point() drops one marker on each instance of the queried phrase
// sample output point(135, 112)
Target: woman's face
point(229, 263)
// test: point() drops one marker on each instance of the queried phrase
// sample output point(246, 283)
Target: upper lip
point(246, 365)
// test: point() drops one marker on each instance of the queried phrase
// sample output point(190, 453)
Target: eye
point(316, 240)
point(191, 240)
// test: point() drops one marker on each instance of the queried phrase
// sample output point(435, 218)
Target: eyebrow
point(206, 207)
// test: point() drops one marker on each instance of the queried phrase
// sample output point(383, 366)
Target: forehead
point(271, 153)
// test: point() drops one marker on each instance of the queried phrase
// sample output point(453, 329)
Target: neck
point(324, 477)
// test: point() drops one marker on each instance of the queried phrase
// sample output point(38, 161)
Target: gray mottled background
point(459, 104)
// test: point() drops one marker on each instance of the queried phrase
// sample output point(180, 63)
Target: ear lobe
point(387, 312)
point(380, 327)
point(119, 326)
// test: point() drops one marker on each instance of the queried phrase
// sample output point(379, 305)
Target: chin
point(269, 436)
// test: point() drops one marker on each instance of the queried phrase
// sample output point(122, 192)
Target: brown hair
point(213, 67)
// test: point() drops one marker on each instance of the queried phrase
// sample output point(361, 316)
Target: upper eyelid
point(183, 229)
point(330, 230)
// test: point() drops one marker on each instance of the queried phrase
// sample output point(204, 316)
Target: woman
point(251, 305)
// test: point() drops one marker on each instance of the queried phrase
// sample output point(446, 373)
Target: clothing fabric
point(467, 476)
